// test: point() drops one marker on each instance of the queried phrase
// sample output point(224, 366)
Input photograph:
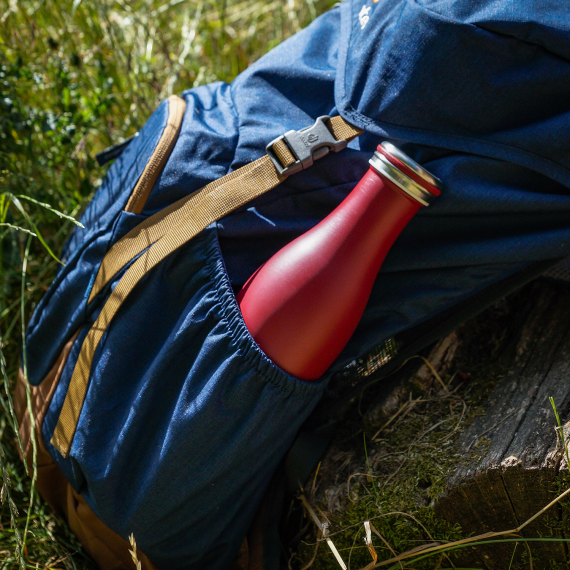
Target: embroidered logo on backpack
point(363, 17)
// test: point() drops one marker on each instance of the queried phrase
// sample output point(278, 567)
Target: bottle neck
point(370, 218)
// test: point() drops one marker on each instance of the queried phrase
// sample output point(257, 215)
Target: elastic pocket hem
point(241, 336)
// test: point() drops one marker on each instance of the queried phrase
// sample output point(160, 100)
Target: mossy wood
point(462, 438)
point(514, 463)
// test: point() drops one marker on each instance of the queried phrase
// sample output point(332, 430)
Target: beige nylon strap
point(343, 130)
point(283, 153)
point(154, 227)
point(140, 194)
point(169, 229)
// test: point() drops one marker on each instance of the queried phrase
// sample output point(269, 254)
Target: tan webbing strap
point(283, 153)
point(169, 231)
point(343, 130)
point(154, 227)
point(140, 194)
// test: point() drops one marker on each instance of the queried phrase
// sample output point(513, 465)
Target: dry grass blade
point(543, 510)
point(315, 478)
point(458, 425)
point(431, 548)
point(529, 555)
point(311, 512)
point(8, 405)
point(368, 542)
point(435, 374)
point(33, 436)
point(323, 529)
point(373, 528)
point(333, 548)
point(188, 36)
point(407, 406)
point(312, 560)
point(6, 495)
point(427, 532)
point(133, 551)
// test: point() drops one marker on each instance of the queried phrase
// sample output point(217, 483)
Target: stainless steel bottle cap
point(382, 165)
point(412, 164)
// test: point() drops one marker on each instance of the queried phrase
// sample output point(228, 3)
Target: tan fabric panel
point(205, 206)
point(241, 561)
point(141, 192)
point(154, 227)
point(108, 549)
point(52, 490)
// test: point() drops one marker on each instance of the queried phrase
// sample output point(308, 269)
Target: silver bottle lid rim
point(412, 164)
point(383, 166)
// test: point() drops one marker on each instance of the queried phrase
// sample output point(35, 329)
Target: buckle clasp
point(307, 145)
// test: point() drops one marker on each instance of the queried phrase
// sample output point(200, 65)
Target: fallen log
point(489, 381)
point(513, 461)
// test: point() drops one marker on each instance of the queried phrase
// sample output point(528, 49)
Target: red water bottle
point(303, 305)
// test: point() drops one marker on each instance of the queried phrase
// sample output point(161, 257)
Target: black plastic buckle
point(307, 145)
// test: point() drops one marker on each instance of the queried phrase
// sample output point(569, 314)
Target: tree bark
point(513, 459)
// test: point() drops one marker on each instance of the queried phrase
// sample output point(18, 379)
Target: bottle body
point(304, 303)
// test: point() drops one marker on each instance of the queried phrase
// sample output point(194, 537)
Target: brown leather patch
point(107, 548)
point(49, 485)
point(241, 561)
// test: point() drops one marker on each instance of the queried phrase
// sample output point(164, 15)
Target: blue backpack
point(150, 396)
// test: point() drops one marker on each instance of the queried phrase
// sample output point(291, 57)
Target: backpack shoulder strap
point(174, 226)
point(222, 196)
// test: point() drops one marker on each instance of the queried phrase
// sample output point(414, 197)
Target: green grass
point(75, 77)
point(394, 481)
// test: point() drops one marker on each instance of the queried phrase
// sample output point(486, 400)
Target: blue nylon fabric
point(63, 308)
point(179, 446)
point(185, 419)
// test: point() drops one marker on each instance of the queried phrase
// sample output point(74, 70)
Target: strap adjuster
point(307, 145)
